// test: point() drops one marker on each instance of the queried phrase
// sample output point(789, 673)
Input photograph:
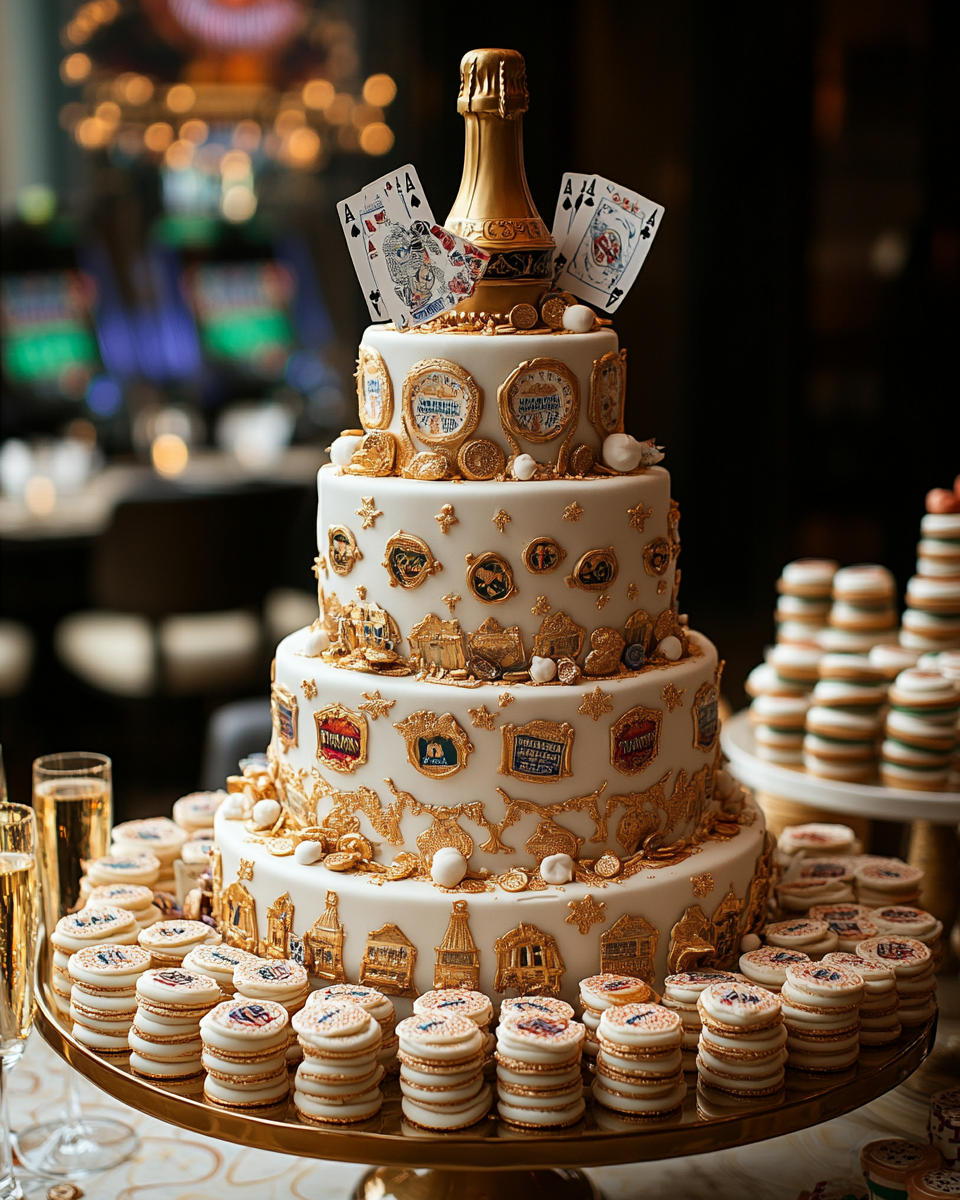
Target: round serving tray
point(600, 1139)
point(861, 799)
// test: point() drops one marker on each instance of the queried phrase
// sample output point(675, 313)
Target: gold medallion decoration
point(635, 739)
point(375, 455)
point(672, 697)
point(283, 711)
point(573, 512)
point(514, 881)
point(558, 637)
point(436, 746)
point(537, 752)
point(656, 556)
point(344, 551)
point(481, 459)
point(606, 648)
point(586, 912)
point(543, 555)
point(480, 718)
point(595, 571)
point(490, 577)
point(608, 386)
point(706, 717)
point(629, 948)
point(457, 963)
point(540, 401)
point(498, 645)
point(445, 518)
point(341, 737)
point(595, 704)
point(309, 688)
point(638, 516)
point(388, 961)
point(374, 390)
point(408, 560)
point(368, 512)
point(441, 403)
point(528, 962)
point(439, 644)
point(375, 705)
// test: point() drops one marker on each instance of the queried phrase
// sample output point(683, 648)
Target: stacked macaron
point(164, 1039)
point(888, 1164)
point(279, 979)
point(244, 1043)
point(817, 840)
point(639, 1064)
point(804, 591)
point(916, 979)
point(844, 722)
point(195, 813)
point(891, 660)
point(600, 992)
point(465, 1003)
point(219, 962)
point(139, 870)
point(821, 1010)
point(538, 1069)
point(441, 1072)
point(920, 730)
point(933, 1184)
point(103, 998)
point(863, 613)
point(903, 920)
point(852, 923)
point(948, 664)
point(880, 882)
point(88, 927)
point(767, 966)
point(931, 620)
point(169, 942)
point(132, 896)
point(816, 881)
point(944, 1125)
point(379, 1006)
point(338, 1081)
point(157, 835)
point(778, 727)
point(681, 993)
point(811, 937)
point(741, 1053)
point(880, 1008)
point(795, 669)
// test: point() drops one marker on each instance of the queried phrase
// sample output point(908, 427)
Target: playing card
point(349, 212)
point(403, 185)
point(575, 191)
point(607, 243)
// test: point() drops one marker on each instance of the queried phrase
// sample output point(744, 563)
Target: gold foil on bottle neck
point(493, 81)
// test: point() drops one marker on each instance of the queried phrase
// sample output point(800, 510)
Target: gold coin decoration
point(403, 866)
point(514, 881)
point(280, 847)
point(582, 459)
point(607, 866)
point(481, 459)
point(552, 310)
point(523, 316)
point(355, 843)
point(341, 860)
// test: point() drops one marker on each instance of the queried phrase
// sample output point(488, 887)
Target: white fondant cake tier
point(628, 514)
point(355, 931)
point(659, 725)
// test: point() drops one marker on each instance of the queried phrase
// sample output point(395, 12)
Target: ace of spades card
point(607, 243)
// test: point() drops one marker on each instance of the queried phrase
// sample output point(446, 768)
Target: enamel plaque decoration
point(543, 555)
point(656, 556)
point(408, 560)
point(608, 386)
point(540, 401)
point(374, 390)
point(341, 737)
point(344, 551)
point(595, 571)
point(706, 717)
point(538, 752)
point(490, 577)
point(635, 739)
point(436, 746)
point(441, 402)
point(283, 712)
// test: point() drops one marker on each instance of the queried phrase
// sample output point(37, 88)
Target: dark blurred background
point(180, 316)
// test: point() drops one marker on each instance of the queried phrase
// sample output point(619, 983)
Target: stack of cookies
point(134, 897)
point(219, 962)
point(912, 965)
point(538, 1070)
point(196, 813)
point(920, 730)
point(536, 1006)
point(244, 1044)
point(778, 726)
point(887, 1165)
point(805, 588)
point(339, 1079)
point(863, 613)
point(794, 670)
point(931, 621)
point(881, 882)
point(88, 927)
point(817, 840)
point(821, 1010)
point(158, 835)
point(948, 664)
point(944, 1125)
point(169, 942)
point(103, 998)
point(600, 992)
point(681, 993)
point(768, 966)
point(816, 882)
point(901, 920)
point(441, 1072)
point(813, 938)
point(639, 1065)
point(379, 1006)
point(741, 1052)
point(879, 1012)
point(279, 979)
point(141, 870)
point(164, 1039)
point(465, 1003)
point(891, 660)
point(844, 722)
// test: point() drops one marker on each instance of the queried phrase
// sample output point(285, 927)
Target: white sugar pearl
point(749, 942)
point(448, 867)
point(342, 449)
point(578, 318)
point(622, 452)
point(524, 466)
point(234, 808)
point(265, 813)
point(670, 648)
point(542, 670)
point(317, 641)
point(556, 868)
point(724, 784)
point(308, 853)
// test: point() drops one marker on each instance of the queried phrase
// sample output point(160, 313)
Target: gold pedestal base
point(936, 850)
point(406, 1183)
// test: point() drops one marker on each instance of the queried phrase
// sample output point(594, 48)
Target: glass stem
point(9, 1188)
point(72, 1114)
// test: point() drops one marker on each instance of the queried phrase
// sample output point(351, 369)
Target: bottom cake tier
point(408, 936)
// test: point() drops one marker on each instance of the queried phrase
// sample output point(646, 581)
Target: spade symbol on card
point(414, 201)
point(614, 296)
point(354, 231)
point(566, 204)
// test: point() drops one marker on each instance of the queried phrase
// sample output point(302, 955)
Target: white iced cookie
point(687, 986)
point(170, 941)
point(556, 869)
point(90, 926)
point(158, 835)
point(337, 1028)
point(140, 869)
point(822, 985)
point(542, 670)
point(379, 1006)
point(579, 318)
point(174, 992)
point(740, 1006)
point(266, 813)
point(455, 1116)
point(108, 966)
point(282, 980)
point(343, 449)
point(536, 1006)
point(197, 810)
point(524, 467)
point(462, 1002)
point(906, 921)
point(133, 897)
point(768, 965)
point(633, 1027)
point(814, 938)
point(539, 1040)
point(308, 853)
point(438, 1039)
point(817, 838)
point(621, 451)
point(219, 962)
point(601, 992)
point(448, 867)
point(907, 956)
point(243, 1026)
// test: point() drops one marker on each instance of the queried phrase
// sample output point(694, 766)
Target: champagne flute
point(73, 802)
point(19, 917)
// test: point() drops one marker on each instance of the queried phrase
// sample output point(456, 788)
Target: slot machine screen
point(47, 343)
point(242, 310)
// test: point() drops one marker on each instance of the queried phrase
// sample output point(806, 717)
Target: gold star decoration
point(245, 869)
point(633, 592)
point(661, 587)
point(367, 512)
point(481, 718)
point(586, 912)
point(702, 884)
point(542, 607)
point(375, 705)
point(309, 687)
point(573, 512)
point(638, 515)
point(672, 698)
point(445, 518)
point(595, 704)
point(500, 519)
point(319, 564)
point(451, 600)
point(361, 591)
point(602, 601)
point(505, 698)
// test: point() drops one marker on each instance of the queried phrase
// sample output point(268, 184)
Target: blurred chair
point(236, 730)
point(180, 582)
point(16, 657)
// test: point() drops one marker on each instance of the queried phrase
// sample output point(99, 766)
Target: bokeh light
point(40, 495)
point(194, 131)
point(36, 203)
point(239, 203)
point(339, 109)
point(376, 138)
point(366, 114)
point(289, 119)
point(158, 136)
point(379, 90)
point(181, 98)
point(246, 136)
point(303, 147)
point(179, 155)
point(235, 166)
point(108, 112)
point(104, 396)
point(318, 93)
point(75, 68)
point(169, 454)
point(92, 133)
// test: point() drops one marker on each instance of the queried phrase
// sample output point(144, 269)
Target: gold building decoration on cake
point(324, 941)
point(586, 912)
point(375, 456)
point(503, 646)
point(528, 961)
point(341, 737)
point(283, 713)
point(606, 649)
point(362, 635)
point(408, 560)
point(239, 918)
point(537, 752)
point(691, 942)
point(559, 636)
point(629, 947)
point(374, 390)
point(540, 401)
point(439, 643)
point(436, 746)
point(276, 944)
point(388, 962)
point(457, 963)
point(343, 549)
point(726, 929)
point(490, 577)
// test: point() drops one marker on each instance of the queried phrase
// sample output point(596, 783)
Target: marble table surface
point(172, 1164)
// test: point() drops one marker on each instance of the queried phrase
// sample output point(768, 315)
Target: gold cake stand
point(491, 1161)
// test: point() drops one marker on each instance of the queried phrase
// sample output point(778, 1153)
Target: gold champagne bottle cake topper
point(494, 208)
